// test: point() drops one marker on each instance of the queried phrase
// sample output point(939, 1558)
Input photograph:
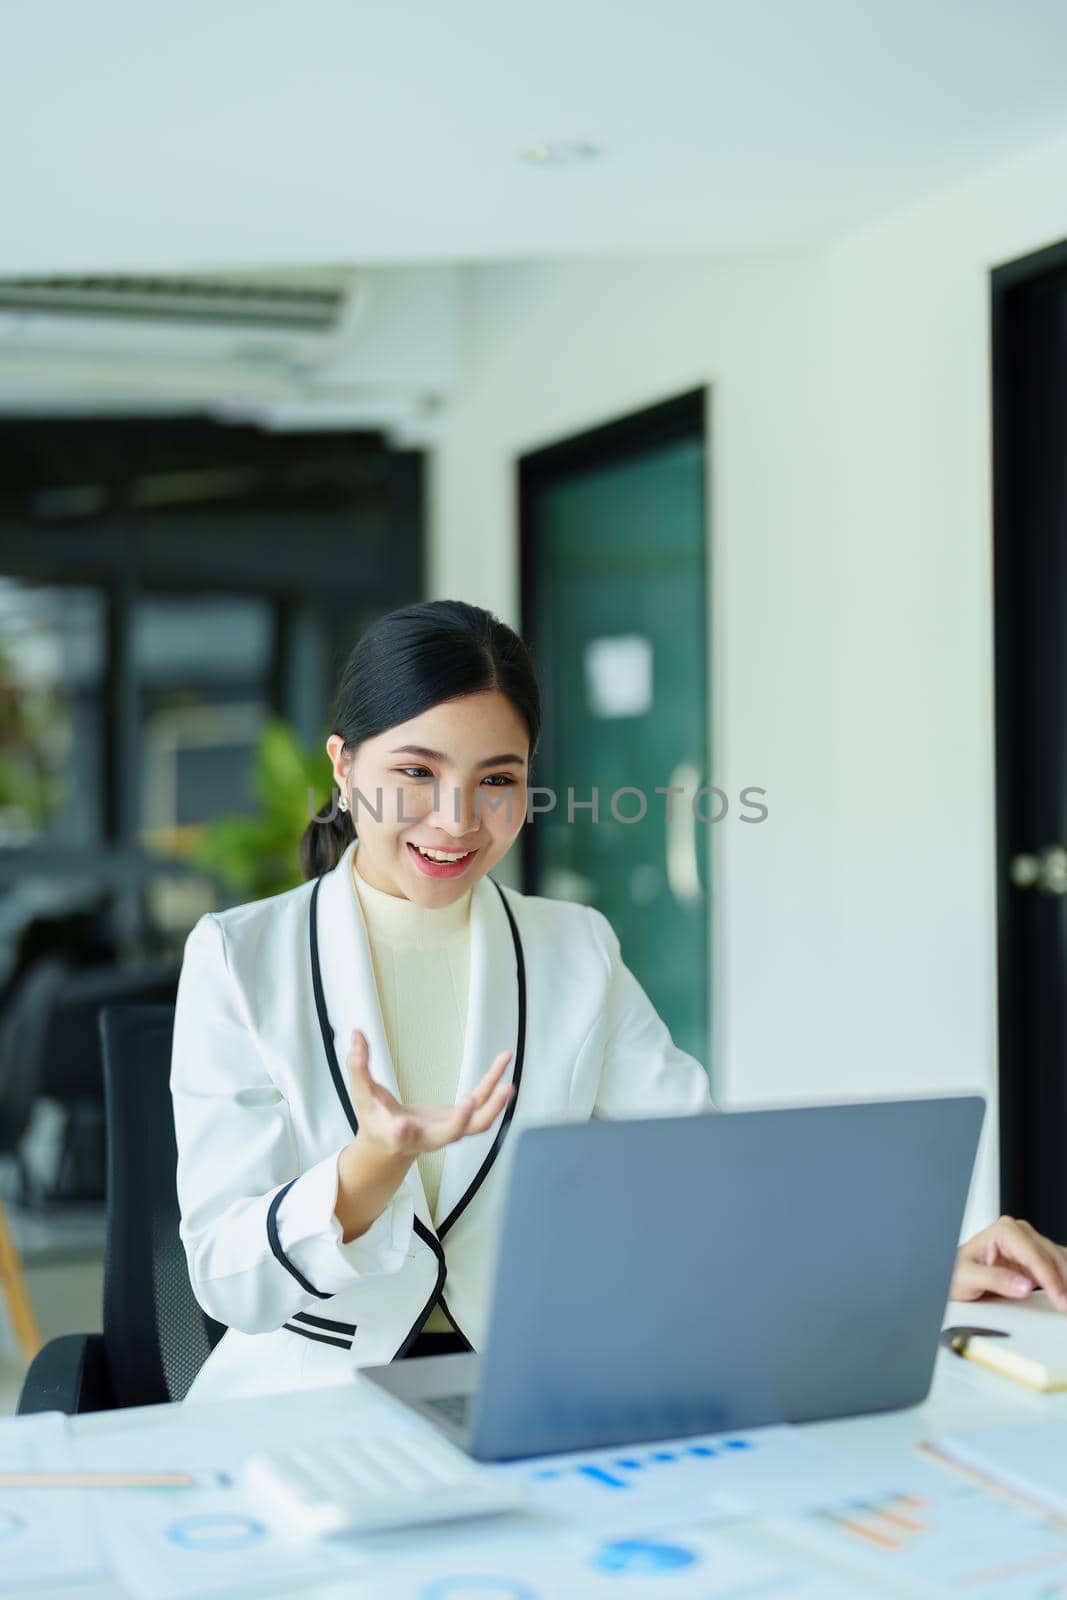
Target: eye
point(417, 772)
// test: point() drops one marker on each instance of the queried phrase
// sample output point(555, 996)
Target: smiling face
point(453, 780)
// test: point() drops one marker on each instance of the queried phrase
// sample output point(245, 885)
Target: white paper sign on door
point(618, 675)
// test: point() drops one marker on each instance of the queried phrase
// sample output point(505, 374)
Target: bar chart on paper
point(960, 1538)
point(718, 1477)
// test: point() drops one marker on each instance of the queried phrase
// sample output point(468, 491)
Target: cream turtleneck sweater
point(421, 959)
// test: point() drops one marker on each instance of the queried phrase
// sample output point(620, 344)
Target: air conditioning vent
point(193, 302)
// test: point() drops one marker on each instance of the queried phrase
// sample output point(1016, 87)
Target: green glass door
point(615, 604)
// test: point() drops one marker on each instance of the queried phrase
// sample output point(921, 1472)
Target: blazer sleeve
point(643, 1073)
point(254, 1227)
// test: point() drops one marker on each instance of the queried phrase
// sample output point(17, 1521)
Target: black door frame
point(1029, 407)
point(684, 416)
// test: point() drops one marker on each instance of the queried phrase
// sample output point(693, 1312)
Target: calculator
point(374, 1480)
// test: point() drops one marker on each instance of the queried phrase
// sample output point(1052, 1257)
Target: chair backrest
point(72, 1051)
point(24, 1030)
point(156, 1334)
point(64, 1066)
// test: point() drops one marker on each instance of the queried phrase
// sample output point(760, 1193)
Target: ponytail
point(326, 838)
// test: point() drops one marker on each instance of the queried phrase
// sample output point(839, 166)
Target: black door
point(615, 607)
point(1030, 544)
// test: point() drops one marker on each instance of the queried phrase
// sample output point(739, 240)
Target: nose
point(457, 814)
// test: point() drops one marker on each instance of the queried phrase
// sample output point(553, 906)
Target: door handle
point(1046, 871)
point(681, 842)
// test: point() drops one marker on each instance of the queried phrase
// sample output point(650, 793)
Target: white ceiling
point(233, 133)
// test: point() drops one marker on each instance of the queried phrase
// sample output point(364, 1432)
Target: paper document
point(168, 1544)
point(718, 1477)
point(45, 1534)
point(1029, 1458)
point(956, 1538)
point(690, 1562)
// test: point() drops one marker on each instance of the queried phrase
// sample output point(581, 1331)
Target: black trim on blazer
point(323, 1016)
point(276, 1247)
point(324, 1322)
point(321, 1338)
point(455, 1324)
point(509, 1111)
point(430, 1239)
point(434, 1244)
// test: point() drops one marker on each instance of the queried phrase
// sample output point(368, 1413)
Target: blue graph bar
point(598, 1475)
point(610, 1480)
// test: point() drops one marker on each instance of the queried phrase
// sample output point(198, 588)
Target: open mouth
point(435, 868)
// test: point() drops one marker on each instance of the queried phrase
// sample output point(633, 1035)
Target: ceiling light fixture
point(560, 153)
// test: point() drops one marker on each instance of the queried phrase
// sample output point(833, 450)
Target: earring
point(342, 800)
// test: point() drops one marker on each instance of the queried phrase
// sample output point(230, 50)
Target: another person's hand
point(1010, 1258)
point(411, 1130)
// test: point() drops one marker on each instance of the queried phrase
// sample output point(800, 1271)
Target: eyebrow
point(437, 755)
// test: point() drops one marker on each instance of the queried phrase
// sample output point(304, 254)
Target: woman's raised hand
point(410, 1130)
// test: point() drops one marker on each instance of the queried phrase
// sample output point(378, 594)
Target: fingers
point(359, 1057)
point(415, 1129)
point(1024, 1247)
point(489, 1097)
point(359, 1069)
point(476, 1119)
point(487, 1115)
point(1015, 1249)
point(484, 1088)
point(453, 1127)
point(363, 1085)
point(466, 1118)
point(972, 1279)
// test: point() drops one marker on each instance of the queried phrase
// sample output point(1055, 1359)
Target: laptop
point(677, 1275)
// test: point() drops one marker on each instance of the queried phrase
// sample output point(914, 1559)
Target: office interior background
point(717, 348)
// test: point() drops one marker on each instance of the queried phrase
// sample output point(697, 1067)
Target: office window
point(202, 667)
point(53, 651)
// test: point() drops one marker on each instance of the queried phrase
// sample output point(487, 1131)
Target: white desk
point(963, 1395)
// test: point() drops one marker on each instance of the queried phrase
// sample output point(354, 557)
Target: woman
point(351, 1056)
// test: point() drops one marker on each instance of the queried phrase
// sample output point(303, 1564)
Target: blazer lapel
point(350, 991)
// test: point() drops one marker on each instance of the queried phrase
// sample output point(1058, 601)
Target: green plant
point(32, 784)
point(258, 855)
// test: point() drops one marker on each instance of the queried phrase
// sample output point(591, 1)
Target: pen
point(113, 1480)
point(957, 1339)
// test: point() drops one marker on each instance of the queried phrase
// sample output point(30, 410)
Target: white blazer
point(268, 997)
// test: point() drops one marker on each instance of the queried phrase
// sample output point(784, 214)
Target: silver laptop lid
point(674, 1275)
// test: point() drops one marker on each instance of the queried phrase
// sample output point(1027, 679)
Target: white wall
point(850, 541)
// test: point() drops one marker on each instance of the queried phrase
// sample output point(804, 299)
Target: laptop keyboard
point(455, 1407)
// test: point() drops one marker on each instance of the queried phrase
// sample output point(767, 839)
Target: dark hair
point(404, 663)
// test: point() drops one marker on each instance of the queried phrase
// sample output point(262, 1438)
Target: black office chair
point(71, 1072)
point(156, 1336)
point(24, 1028)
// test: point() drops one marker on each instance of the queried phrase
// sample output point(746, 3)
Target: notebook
point(1035, 1351)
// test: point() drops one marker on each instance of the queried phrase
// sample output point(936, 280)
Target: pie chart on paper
point(644, 1556)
